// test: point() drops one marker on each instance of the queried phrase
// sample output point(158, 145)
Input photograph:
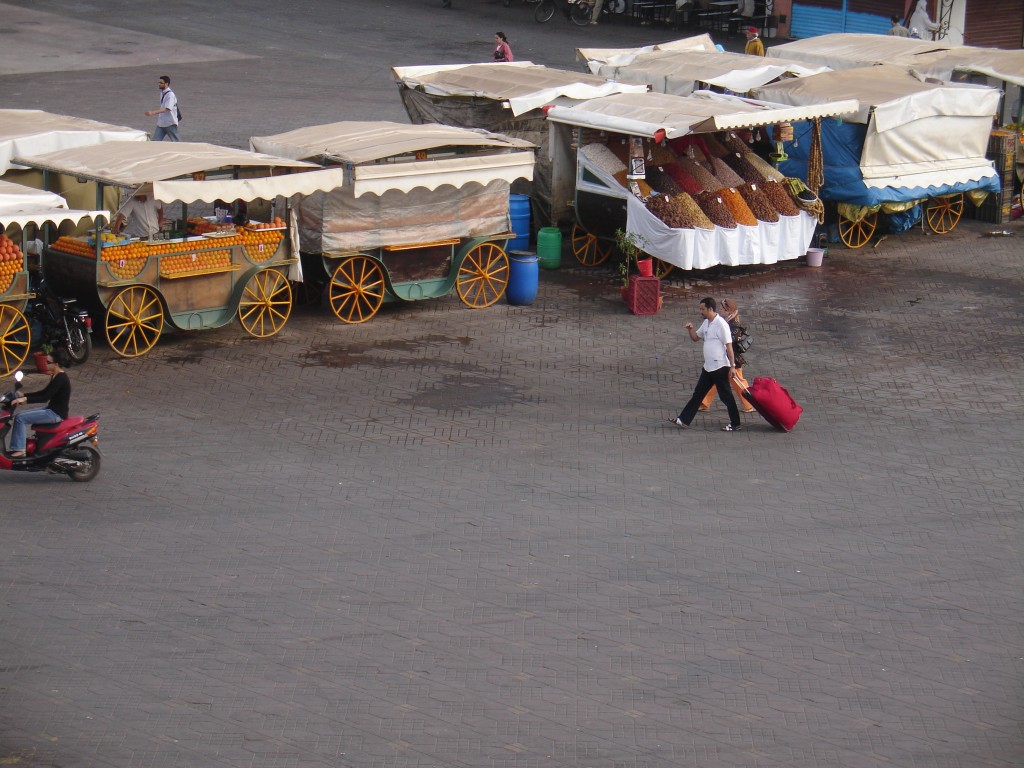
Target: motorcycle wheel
point(89, 456)
point(79, 345)
point(580, 14)
point(545, 10)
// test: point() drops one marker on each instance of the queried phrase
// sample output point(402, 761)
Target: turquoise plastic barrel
point(523, 277)
point(519, 212)
point(549, 247)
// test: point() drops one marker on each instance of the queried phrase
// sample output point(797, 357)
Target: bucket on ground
point(814, 257)
point(549, 247)
point(645, 267)
point(519, 212)
point(523, 277)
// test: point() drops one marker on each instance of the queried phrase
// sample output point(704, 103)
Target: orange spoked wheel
point(356, 290)
point(135, 319)
point(943, 213)
point(662, 269)
point(483, 276)
point(15, 339)
point(588, 250)
point(266, 303)
point(856, 234)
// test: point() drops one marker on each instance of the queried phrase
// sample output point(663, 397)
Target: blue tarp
point(841, 144)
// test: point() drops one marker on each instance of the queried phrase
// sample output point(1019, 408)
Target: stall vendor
point(140, 216)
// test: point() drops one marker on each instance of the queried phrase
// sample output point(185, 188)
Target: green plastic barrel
point(549, 247)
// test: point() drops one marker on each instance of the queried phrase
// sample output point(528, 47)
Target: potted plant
point(40, 356)
point(631, 245)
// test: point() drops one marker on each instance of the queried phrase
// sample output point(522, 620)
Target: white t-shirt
point(143, 217)
point(716, 335)
point(169, 102)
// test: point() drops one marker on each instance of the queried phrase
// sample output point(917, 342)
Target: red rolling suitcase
point(774, 403)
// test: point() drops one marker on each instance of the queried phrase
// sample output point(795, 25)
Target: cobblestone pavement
point(470, 538)
point(451, 537)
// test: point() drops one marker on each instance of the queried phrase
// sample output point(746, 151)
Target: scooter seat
point(68, 423)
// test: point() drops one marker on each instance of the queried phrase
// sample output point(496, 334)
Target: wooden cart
point(183, 281)
point(424, 210)
point(24, 212)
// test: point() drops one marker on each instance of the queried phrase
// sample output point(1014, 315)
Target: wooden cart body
point(424, 210)
point(144, 287)
point(23, 210)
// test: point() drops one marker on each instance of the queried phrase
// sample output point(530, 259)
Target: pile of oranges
point(275, 223)
point(11, 262)
point(179, 264)
point(261, 246)
point(199, 226)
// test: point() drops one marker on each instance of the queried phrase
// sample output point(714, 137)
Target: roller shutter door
point(994, 23)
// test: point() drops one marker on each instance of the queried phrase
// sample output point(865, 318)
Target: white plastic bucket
point(814, 257)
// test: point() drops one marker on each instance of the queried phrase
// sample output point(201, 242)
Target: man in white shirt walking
point(167, 115)
point(719, 366)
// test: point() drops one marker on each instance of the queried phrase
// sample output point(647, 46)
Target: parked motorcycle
point(60, 325)
point(69, 447)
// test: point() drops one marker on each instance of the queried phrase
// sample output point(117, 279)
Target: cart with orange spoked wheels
point(423, 211)
point(195, 272)
point(24, 215)
point(914, 152)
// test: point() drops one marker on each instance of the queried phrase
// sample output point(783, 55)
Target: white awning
point(642, 114)
point(595, 57)
point(972, 170)
point(23, 205)
point(172, 169)
point(25, 132)
point(929, 58)
point(362, 142)
point(431, 174)
point(523, 85)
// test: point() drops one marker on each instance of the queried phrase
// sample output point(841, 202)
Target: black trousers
point(707, 380)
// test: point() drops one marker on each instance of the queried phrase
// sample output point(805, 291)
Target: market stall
point(423, 209)
point(691, 64)
point(23, 213)
point(507, 98)
point(672, 171)
point(29, 132)
point(909, 142)
point(194, 273)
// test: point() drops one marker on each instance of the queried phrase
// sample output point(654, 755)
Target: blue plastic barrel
point(519, 212)
point(523, 276)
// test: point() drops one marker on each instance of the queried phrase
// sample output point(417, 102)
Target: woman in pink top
point(502, 51)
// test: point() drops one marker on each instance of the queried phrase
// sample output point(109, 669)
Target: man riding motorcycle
point(57, 396)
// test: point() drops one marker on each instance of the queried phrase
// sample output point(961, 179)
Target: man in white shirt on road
point(167, 115)
point(719, 366)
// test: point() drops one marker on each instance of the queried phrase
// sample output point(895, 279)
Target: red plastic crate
point(644, 295)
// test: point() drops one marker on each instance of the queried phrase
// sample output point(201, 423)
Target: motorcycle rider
point(57, 396)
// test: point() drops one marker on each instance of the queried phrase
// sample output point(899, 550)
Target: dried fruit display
point(715, 148)
point(725, 174)
point(657, 154)
point(737, 207)
point(704, 177)
point(679, 211)
point(758, 204)
point(602, 157)
point(686, 182)
point(768, 170)
point(734, 143)
point(714, 208)
point(744, 168)
point(779, 198)
point(661, 181)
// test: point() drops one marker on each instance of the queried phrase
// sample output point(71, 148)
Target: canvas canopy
point(919, 134)
point(22, 206)
point(680, 72)
point(170, 168)
point(461, 155)
point(642, 114)
point(26, 132)
point(928, 58)
point(524, 86)
point(595, 57)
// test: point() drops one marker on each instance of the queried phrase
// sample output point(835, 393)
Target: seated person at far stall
point(139, 216)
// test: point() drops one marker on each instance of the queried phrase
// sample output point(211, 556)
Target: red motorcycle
point(69, 447)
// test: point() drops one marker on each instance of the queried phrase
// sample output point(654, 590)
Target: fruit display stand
point(912, 149)
point(424, 210)
point(23, 212)
point(671, 171)
point(190, 282)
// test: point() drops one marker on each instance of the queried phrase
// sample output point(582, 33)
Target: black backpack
point(178, 110)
